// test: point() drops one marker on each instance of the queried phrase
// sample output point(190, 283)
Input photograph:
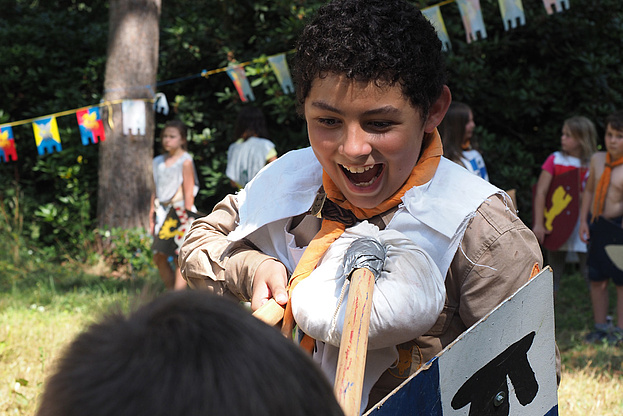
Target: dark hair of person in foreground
point(186, 353)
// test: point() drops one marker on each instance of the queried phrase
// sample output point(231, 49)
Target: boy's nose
point(355, 143)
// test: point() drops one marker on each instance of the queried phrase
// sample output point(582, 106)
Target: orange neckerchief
point(602, 186)
point(467, 145)
point(330, 230)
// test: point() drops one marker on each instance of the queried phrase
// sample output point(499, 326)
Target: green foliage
point(12, 224)
point(198, 36)
point(66, 220)
point(522, 84)
point(53, 60)
point(52, 55)
point(23, 258)
point(128, 252)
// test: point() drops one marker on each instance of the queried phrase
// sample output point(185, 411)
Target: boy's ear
point(438, 110)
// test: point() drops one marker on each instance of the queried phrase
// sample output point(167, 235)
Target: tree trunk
point(125, 169)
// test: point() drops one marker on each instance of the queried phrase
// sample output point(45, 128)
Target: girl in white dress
point(176, 186)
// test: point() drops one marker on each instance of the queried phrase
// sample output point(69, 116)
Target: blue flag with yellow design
point(46, 135)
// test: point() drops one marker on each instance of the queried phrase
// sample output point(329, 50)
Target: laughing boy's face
point(367, 138)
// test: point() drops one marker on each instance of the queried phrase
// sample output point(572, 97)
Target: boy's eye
point(328, 121)
point(380, 125)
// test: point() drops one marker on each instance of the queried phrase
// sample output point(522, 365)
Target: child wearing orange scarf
point(370, 82)
point(603, 196)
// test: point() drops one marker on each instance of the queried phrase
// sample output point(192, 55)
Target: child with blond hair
point(578, 142)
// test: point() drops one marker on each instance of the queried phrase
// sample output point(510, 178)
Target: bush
point(127, 252)
point(521, 85)
point(53, 60)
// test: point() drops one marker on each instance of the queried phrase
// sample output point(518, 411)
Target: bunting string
point(205, 74)
point(47, 136)
point(109, 104)
point(512, 12)
point(91, 128)
point(443, 3)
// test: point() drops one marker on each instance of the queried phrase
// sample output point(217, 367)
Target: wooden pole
point(271, 312)
point(354, 343)
point(365, 258)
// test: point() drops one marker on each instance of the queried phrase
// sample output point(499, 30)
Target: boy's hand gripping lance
point(270, 313)
point(363, 263)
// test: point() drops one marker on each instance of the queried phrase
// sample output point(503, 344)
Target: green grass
point(592, 375)
point(40, 313)
point(574, 319)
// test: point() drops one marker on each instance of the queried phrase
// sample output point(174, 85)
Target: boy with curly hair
point(370, 82)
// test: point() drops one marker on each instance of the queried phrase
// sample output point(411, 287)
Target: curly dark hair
point(384, 41)
point(615, 120)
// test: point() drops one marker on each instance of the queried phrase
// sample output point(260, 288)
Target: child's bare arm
point(188, 184)
point(152, 214)
point(542, 186)
point(586, 202)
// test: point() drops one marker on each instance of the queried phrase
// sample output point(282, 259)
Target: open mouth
point(362, 176)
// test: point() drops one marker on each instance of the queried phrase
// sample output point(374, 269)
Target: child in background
point(186, 354)
point(603, 196)
point(251, 151)
point(176, 185)
point(457, 133)
point(577, 144)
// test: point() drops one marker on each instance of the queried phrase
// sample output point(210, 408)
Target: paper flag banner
point(280, 67)
point(472, 19)
point(161, 105)
point(512, 13)
point(91, 126)
point(7, 144)
point(550, 5)
point(239, 78)
point(133, 117)
point(46, 135)
point(433, 14)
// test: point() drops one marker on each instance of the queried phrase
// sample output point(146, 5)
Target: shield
point(615, 253)
point(605, 247)
point(171, 234)
point(562, 208)
point(503, 365)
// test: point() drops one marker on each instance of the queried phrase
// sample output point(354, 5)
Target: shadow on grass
point(574, 319)
point(42, 283)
